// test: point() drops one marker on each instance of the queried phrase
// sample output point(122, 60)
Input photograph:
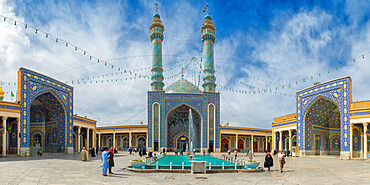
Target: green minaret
point(156, 36)
point(208, 38)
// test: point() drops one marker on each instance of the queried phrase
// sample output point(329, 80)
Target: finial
point(156, 8)
point(207, 9)
point(182, 72)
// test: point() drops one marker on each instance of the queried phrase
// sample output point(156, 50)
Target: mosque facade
point(169, 108)
point(326, 122)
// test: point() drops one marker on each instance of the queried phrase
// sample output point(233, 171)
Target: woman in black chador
point(268, 161)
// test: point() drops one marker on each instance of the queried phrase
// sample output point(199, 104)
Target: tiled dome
point(182, 86)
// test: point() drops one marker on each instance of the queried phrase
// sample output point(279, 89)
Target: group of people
point(107, 158)
point(269, 161)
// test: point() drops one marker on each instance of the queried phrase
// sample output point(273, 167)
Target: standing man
point(236, 153)
point(84, 154)
point(281, 160)
point(130, 149)
point(105, 164)
point(111, 160)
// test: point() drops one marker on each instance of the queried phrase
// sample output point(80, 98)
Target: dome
point(156, 16)
point(182, 86)
point(207, 17)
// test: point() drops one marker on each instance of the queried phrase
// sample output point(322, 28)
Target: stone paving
point(68, 169)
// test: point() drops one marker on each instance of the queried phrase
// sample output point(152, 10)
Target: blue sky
point(281, 42)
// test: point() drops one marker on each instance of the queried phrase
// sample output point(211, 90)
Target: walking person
point(281, 160)
point(84, 154)
point(269, 161)
point(105, 163)
point(236, 153)
point(130, 149)
point(111, 160)
point(228, 151)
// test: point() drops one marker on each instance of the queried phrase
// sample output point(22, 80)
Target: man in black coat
point(269, 161)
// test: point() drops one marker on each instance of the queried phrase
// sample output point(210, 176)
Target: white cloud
point(297, 45)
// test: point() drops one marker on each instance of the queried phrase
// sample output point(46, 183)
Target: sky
point(277, 45)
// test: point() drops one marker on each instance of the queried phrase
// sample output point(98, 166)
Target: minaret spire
point(156, 36)
point(208, 38)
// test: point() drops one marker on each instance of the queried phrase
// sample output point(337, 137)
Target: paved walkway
point(68, 169)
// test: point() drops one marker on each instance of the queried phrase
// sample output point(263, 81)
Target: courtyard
point(69, 169)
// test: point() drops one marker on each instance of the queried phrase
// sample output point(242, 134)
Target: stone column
point(114, 139)
point(281, 140)
point(4, 135)
point(78, 139)
point(290, 140)
point(129, 140)
point(351, 140)
point(18, 136)
point(273, 145)
point(266, 144)
point(88, 139)
point(99, 140)
point(236, 141)
point(252, 143)
point(365, 140)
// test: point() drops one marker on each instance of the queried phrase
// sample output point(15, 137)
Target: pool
point(177, 160)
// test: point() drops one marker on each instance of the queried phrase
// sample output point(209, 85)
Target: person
point(194, 151)
point(140, 152)
point(281, 160)
point(288, 153)
point(39, 153)
point(269, 161)
point(150, 154)
point(130, 150)
point(111, 160)
point(228, 152)
point(93, 152)
point(84, 154)
point(204, 152)
point(236, 153)
point(105, 164)
point(144, 152)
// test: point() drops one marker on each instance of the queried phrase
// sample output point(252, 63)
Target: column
point(252, 143)
point(4, 135)
point(281, 140)
point(266, 144)
point(88, 139)
point(365, 140)
point(78, 139)
point(236, 141)
point(18, 136)
point(94, 137)
point(114, 139)
point(351, 140)
point(290, 140)
point(273, 145)
point(99, 140)
point(129, 140)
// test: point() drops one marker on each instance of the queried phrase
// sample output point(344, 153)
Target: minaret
point(208, 39)
point(156, 36)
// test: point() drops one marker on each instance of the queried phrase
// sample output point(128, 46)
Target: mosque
point(326, 121)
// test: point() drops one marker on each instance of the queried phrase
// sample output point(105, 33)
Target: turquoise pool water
point(178, 159)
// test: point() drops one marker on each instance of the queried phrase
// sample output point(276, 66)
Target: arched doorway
point(255, 145)
point(287, 140)
point(240, 144)
point(125, 143)
point(294, 140)
point(224, 145)
point(322, 127)
point(182, 143)
point(178, 123)
point(110, 142)
point(47, 118)
point(141, 142)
